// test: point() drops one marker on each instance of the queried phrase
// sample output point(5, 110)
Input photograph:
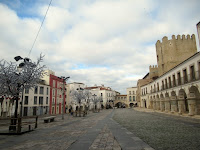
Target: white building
point(105, 94)
point(177, 90)
point(75, 86)
point(131, 96)
point(36, 100)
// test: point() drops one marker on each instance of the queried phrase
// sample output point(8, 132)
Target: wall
point(168, 50)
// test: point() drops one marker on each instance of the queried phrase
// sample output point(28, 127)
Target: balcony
point(180, 81)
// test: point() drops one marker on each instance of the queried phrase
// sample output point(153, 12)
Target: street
point(132, 130)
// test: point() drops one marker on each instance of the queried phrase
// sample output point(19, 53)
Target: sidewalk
point(169, 113)
point(109, 135)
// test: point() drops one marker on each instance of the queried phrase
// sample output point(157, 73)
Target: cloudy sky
point(110, 42)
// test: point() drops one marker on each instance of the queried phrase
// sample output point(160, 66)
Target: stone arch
point(131, 105)
point(151, 102)
point(194, 101)
point(166, 94)
point(162, 104)
point(154, 102)
point(194, 92)
point(157, 102)
point(120, 105)
point(173, 93)
point(167, 103)
point(182, 101)
point(174, 102)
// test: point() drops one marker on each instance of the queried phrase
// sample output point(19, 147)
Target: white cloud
point(113, 39)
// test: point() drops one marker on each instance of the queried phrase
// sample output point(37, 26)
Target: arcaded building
point(176, 88)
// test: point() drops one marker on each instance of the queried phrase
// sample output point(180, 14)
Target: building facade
point(121, 101)
point(57, 98)
point(177, 90)
point(170, 53)
point(168, 50)
point(131, 96)
point(36, 100)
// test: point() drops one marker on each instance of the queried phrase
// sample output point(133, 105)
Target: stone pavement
point(105, 140)
point(95, 131)
point(161, 131)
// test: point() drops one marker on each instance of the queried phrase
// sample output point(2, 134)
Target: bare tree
point(15, 77)
point(96, 102)
point(79, 98)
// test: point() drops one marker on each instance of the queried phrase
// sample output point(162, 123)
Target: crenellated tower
point(153, 71)
point(172, 52)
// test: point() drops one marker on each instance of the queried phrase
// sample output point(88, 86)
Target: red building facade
point(56, 95)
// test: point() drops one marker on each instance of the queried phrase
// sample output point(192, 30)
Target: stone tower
point(153, 72)
point(172, 52)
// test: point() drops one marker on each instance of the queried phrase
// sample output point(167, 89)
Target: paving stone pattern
point(96, 131)
point(58, 135)
point(105, 141)
point(161, 131)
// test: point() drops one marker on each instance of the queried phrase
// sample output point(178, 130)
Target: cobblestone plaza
point(110, 129)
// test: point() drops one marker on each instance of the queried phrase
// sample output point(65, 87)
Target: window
point(162, 85)
point(185, 76)
point(133, 92)
point(46, 100)
point(166, 86)
point(192, 73)
point(54, 83)
point(41, 90)
point(35, 100)
point(133, 98)
point(25, 111)
point(101, 94)
point(47, 90)
point(36, 90)
point(170, 83)
point(129, 98)
point(26, 90)
point(40, 100)
point(53, 92)
point(179, 78)
point(129, 92)
point(174, 80)
point(158, 86)
point(26, 100)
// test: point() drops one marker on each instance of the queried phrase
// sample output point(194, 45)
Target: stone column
point(174, 106)
point(167, 104)
point(162, 104)
point(151, 104)
point(154, 104)
point(192, 106)
point(157, 104)
point(181, 105)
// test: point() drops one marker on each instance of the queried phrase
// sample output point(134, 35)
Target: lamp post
point(64, 79)
point(19, 85)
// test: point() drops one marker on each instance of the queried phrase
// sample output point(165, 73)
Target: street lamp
point(64, 80)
